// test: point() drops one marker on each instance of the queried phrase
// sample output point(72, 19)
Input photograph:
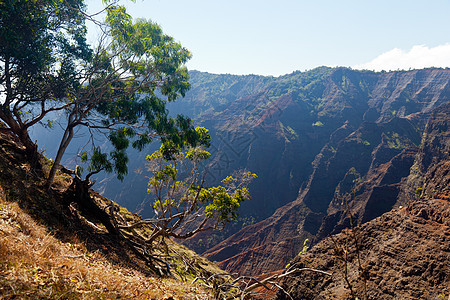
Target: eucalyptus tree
point(41, 42)
point(183, 203)
point(118, 87)
point(134, 71)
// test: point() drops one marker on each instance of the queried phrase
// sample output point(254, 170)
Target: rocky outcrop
point(277, 126)
point(354, 175)
point(430, 170)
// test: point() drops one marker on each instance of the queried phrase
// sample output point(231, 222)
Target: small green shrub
point(419, 192)
point(305, 247)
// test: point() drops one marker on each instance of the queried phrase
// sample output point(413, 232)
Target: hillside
point(404, 254)
point(50, 250)
point(383, 186)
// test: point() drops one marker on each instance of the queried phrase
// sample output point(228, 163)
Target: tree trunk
point(31, 149)
point(78, 192)
point(15, 125)
point(65, 141)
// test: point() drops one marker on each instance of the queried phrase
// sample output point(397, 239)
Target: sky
point(278, 37)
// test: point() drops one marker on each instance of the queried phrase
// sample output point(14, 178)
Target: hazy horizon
point(278, 38)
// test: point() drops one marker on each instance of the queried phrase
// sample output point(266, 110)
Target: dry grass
point(186, 264)
point(47, 252)
point(34, 264)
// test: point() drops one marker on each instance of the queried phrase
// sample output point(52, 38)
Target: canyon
point(320, 141)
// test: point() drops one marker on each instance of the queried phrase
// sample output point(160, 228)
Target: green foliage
point(307, 85)
point(197, 154)
point(153, 62)
point(41, 42)
point(99, 160)
point(395, 141)
point(305, 247)
point(223, 204)
point(180, 196)
point(118, 88)
point(173, 143)
point(42, 45)
point(419, 192)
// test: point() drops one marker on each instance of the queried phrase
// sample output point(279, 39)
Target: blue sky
point(279, 37)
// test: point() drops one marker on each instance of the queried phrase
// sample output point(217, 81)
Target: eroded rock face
point(430, 171)
point(367, 171)
point(355, 172)
point(403, 254)
point(276, 127)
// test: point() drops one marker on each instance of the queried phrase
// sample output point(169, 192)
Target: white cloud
point(419, 57)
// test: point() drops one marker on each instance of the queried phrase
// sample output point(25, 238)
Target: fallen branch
point(242, 283)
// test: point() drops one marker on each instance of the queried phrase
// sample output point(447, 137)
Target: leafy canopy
point(182, 203)
point(118, 88)
point(136, 72)
point(41, 44)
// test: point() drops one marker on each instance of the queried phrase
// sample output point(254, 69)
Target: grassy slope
point(48, 251)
